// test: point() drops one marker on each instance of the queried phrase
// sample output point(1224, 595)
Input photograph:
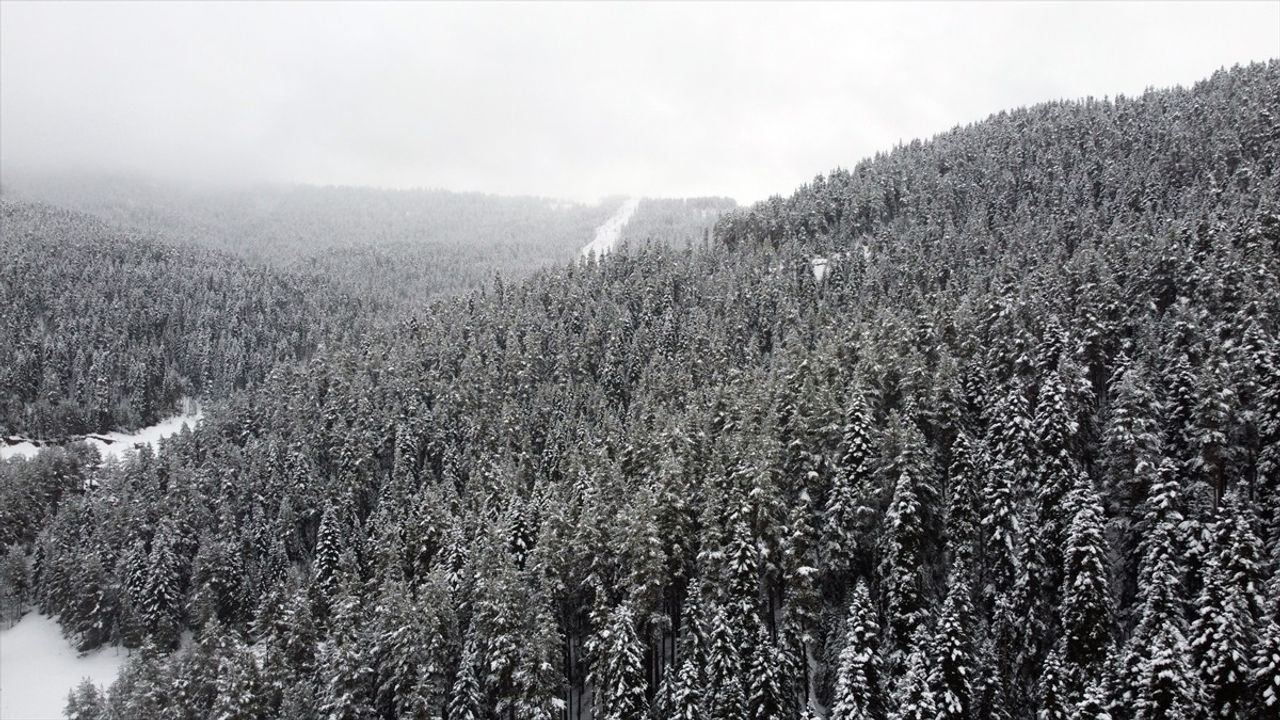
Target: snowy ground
point(114, 444)
point(608, 233)
point(38, 667)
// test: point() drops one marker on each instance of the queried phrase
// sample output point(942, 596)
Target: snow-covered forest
point(1014, 455)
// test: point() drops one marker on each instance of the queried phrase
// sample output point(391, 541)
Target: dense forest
point(677, 222)
point(104, 328)
point(399, 246)
point(1014, 455)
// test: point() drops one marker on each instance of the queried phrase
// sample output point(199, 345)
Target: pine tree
point(1093, 704)
point(766, 698)
point(620, 678)
point(686, 693)
point(240, 694)
point(466, 700)
point(1221, 639)
point(347, 693)
point(162, 597)
point(1264, 683)
point(85, 702)
point(1053, 701)
point(914, 699)
point(849, 507)
point(859, 695)
point(963, 508)
point(725, 699)
point(326, 562)
point(905, 532)
point(1086, 604)
point(1170, 688)
point(952, 659)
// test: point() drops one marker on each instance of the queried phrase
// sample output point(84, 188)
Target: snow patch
point(820, 267)
point(607, 234)
point(38, 667)
point(114, 444)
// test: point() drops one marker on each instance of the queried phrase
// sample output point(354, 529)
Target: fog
point(576, 101)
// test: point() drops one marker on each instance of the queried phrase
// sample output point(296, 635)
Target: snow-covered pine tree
point(1086, 603)
point(963, 520)
point(766, 683)
point(85, 702)
point(619, 675)
point(162, 599)
point(1264, 680)
point(1169, 687)
point(859, 694)
point(851, 502)
point(902, 566)
point(913, 698)
point(725, 698)
point(240, 692)
point(952, 666)
point(466, 700)
point(1053, 691)
point(1221, 639)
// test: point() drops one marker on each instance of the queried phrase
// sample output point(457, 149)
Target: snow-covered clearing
point(820, 265)
point(607, 234)
point(38, 667)
point(116, 444)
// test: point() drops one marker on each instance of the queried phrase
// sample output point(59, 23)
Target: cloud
point(569, 100)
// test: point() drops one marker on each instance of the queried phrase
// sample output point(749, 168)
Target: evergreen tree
point(859, 695)
point(620, 679)
point(1220, 639)
point(85, 702)
point(952, 660)
point(1086, 605)
point(766, 697)
point(725, 698)
point(905, 533)
point(914, 700)
point(1170, 688)
point(850, 505)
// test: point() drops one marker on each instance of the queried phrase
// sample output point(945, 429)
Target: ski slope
point(608, 233)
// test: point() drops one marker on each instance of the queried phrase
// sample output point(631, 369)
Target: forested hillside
point(1015, 456)
point(103, 328)
point(678, 222)
point(402, 246)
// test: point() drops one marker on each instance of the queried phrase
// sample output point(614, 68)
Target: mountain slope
point(1015, 456)
point(107, 329)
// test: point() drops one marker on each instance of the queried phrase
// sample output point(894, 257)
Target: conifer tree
point(913, 699)
point(466, 699)
point(1169, 686)
point(858, 691)
point(1053, 694)
point(1264, 682)
point(1220, 639)
point(620, 676)
point(850, 502)
point(766, 694)
point(905, 532)
point(724, 697)
point(952, 657)
point(1086, 604)
point(85, 702)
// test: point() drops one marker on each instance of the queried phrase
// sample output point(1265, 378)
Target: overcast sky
point(577, 100)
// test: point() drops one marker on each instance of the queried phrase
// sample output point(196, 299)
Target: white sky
point(576, 100)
